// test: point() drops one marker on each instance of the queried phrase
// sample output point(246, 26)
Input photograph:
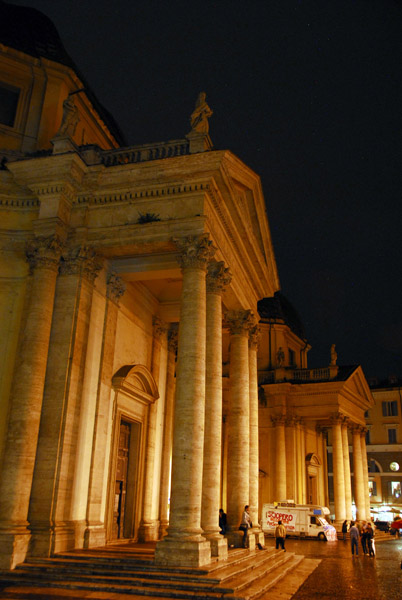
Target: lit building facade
point(152, 370)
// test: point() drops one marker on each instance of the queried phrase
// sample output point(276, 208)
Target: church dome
point(30, 31)
point(278, 308)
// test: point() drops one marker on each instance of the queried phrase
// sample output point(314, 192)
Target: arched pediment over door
point(135, 391)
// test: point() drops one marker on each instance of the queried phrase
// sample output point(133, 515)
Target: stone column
point(218, 277)
point(238, 479)
point(338, 470)
point(184, 544)
point(280, 458)
point(167, 433)
point(254, 335)
point(365, 473)
point(346, 470)
point(26, 403)
point(50, 512)
point(360, 500)
point(149, 527)
point(95, 533)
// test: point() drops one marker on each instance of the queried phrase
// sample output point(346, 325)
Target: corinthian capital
point(115, 287)
point(44, 253)
point(239, 322)
point(81, 261)
point(254, 337)
point(159, 327)
point(195, 251)
point(173, 340)
point(218, 276)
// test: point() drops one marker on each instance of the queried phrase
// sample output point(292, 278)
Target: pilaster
point(43, 255)
point(280, 457)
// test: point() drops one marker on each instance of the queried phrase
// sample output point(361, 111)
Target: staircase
point(117, 573)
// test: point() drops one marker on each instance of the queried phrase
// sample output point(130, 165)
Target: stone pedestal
point(26, 404)
point(184, 544)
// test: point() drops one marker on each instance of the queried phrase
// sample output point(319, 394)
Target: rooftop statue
point(334, 356)
point(69, 120)
point(200, 115)
point(280, 357)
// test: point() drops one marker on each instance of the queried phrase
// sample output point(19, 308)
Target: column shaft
point(254, 445)
point(95, 533)
point(280, 459)
point(167, 434)
point(358, 475)
point(26, 404)
point(338, 471)
point(184, 544)
point(217, 278)
point(346, 470)
point(365, 475)
point(149, 527)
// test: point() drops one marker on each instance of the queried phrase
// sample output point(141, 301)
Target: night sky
point(308, 94)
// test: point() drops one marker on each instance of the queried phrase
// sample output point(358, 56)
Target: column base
point(13, 547)
point(182, 553)
point(47, 540)
point(95, 535)
point(235, 539)
point(219, 545)
point(258, 536)
point(163, 527)
point(148, 532)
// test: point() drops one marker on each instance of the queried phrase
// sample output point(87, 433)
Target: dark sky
point(307, 93)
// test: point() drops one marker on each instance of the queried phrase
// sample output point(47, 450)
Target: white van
point(300, 520)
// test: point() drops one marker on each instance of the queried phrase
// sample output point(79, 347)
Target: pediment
point(137, 382)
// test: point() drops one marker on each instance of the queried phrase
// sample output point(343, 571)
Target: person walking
point(280, 535)
point(354, 538)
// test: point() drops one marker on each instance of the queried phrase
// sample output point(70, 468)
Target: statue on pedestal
point(200, 115)
point(334, 356)
point(280, 357)
point(69, 120)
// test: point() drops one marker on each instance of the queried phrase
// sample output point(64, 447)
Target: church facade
point(148, 378)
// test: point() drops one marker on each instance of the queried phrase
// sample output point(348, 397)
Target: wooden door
point(120, 488)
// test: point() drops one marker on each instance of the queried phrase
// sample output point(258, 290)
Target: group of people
point(363, 531)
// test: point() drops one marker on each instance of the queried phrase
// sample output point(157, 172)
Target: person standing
point(363, 537)
point(370, 539)
point(354, 538)
point(280, 535)
point(222, 521)
point(245, 524)
point(344, 530)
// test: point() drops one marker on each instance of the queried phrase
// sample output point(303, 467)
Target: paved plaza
point(339, 575)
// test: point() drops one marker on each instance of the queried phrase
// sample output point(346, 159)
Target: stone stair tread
point(236, 568)
point(40, 593)
point(148, 591)
point(254, 575)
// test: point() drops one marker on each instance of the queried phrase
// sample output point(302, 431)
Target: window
point(392, 436)
point(372, 488)
point(292, 359)
point(395, 488)
point(390, 409)
point(8, 104)
point(368, 436)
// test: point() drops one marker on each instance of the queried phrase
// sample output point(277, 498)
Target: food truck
point(300, 520)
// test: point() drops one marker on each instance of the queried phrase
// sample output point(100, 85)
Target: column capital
point(358, 429)
point(159, 327)
point(278, 419)
point(115, 287)
point(173, 337)
point(254, 335)
point(44, 253)
point(195, 251)
point(321, 429)
point(239, 322)
point(337, 419)
point(218, 276)
point(82, 260)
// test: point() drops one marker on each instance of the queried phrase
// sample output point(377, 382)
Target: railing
point(135, 154)
point(311, 374)
point(290, 374)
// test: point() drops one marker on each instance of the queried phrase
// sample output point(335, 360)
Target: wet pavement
point(339, 575)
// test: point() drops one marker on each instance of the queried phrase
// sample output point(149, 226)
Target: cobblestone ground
point(340, 575)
